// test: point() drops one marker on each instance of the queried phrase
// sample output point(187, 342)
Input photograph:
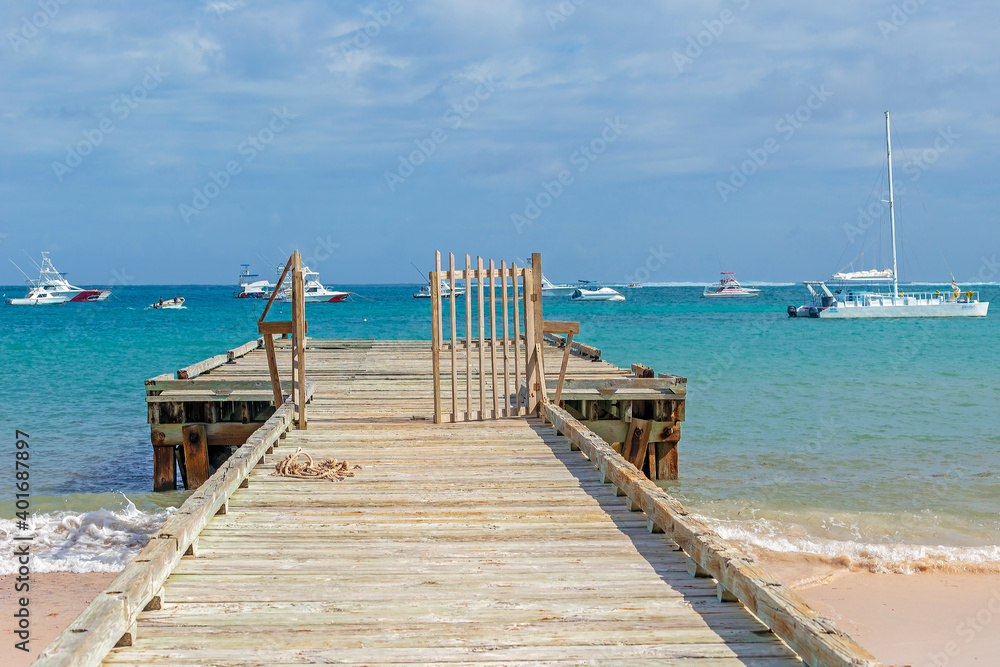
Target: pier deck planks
point(473, 543)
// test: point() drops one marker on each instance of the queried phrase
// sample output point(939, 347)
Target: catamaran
point(51, 287)
point(248, 288)
point(729, 288)
point(858, 294)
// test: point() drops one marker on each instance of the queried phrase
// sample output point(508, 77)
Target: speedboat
point(597, 294)
point(729, 288)
point(172, 304)
point(634, 286)
point(52, 287)
point(862, 294)
point(445, 291)
point(248, 288)
point(548, 289)
point(315, 292)
point(37, 296)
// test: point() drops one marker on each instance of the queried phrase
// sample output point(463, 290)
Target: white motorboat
point(634, 286)
point(52, 287)
point(445, 290)
point(861, 294)
point(175, 303)
point(248, 288)
point(597, 294)
point(548, 289)
point(37, 296)
point(729, 288)
point(315, 291)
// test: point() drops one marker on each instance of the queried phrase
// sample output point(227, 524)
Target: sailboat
point(859, 294)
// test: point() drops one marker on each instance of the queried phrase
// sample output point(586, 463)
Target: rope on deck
point(331, 469)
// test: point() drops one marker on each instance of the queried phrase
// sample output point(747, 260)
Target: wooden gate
point(298, 328)
point(486, 369)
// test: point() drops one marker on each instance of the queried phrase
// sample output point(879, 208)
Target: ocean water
point(876, 442)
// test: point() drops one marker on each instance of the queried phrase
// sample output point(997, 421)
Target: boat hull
point(89, 295)
point(558, 291)
point(948, 309)
point(36, 302)
point(719, 295)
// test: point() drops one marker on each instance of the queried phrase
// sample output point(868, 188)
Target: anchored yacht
point(248, 288)
point(51, 287)
point(859, 294)
point(729, 288)
point(315, 292)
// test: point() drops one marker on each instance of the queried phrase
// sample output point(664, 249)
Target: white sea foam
point(899, 558)
point(98, 541)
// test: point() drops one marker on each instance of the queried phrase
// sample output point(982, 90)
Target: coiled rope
point(331, 469)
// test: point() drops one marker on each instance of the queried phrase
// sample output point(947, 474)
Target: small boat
point(729, 288)
point(597, 294)
point(51, 285)
point(171, 304)
point(248, 288)
point(315, 291)
point(548, 289)
point(865, 294)
point(37, 296)
point(634, 286)
point(425, 291)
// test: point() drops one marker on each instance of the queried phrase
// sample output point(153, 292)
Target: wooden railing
point(298, 328)
point(490, 379)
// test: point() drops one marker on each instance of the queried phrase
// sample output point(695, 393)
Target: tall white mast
point(892, 211)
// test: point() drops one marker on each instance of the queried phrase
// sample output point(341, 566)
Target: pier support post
point(195, 454)
point(164, 468)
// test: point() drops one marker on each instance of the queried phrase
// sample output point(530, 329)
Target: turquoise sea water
point(879, 440)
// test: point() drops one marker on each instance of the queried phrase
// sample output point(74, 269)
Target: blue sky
point(169, 142)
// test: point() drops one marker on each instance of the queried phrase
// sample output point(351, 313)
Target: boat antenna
point(415, 268)
point(892, 210)
point(26, 276)
point(30, 259)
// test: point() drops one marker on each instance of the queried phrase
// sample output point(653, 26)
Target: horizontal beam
point(194, 370)
point(278, 327)
point(557, 327)
point(816, 639)
point(232, 434)
point(244, 349)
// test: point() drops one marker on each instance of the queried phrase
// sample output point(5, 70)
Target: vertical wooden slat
point(506, 339)
point(468, 338)
point(482, 340)
point(300, 334)
point(436, 334)
point(531, 359)
point(536, 297)
point(493, 338)
point(454, 342)
point(272, 368)
point(517, 339)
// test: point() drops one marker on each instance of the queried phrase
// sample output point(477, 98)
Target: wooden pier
point(522, 540)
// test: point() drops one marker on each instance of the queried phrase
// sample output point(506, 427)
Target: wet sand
point(55, 599)
point(931, 619)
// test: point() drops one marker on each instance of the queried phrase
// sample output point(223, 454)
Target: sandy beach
point(56, 598)
point(931, 619)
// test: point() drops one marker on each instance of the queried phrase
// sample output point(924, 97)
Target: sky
point(652, 141)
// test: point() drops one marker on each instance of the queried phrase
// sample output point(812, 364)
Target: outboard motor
point(813, 311)
point(793, 311)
